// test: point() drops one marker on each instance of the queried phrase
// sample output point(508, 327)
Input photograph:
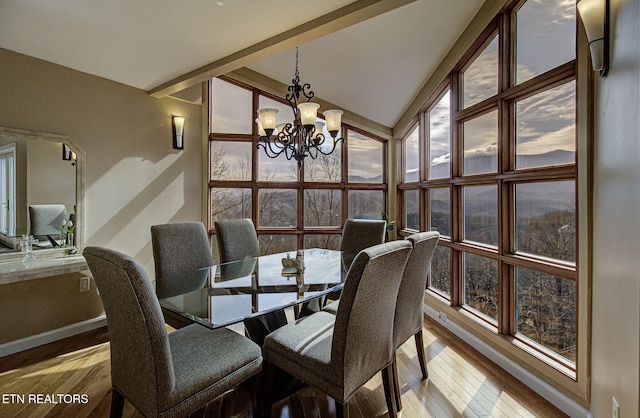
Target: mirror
point(38, 169)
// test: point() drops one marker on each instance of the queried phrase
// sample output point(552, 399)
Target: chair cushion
point(303, 348)
point(332, 307)
point(207, 364)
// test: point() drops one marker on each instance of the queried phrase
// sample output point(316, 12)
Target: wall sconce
point(178, 132)
point(595, 17)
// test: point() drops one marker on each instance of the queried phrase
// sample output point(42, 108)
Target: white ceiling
point(373, 68)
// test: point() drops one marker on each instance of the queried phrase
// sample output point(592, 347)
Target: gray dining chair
point(409, 315)
point(178, 248)
point(163, 375)
point(237, 239)
point(358, 234)
point(339, 353)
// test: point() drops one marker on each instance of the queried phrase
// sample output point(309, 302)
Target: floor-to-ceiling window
point(490, 163)
point(291, 207)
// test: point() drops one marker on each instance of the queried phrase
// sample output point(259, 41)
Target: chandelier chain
point(297, 74)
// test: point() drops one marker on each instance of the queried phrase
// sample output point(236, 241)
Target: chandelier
point(303, 137)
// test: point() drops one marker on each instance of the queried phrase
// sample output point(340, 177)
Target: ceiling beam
point(346, 16)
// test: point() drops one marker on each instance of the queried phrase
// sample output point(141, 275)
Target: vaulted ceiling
point(370, 57)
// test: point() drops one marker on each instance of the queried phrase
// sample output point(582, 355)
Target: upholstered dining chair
point(357, 235)
point(178, 248)
point(162, 375)
point(409, 316)
point(339, 353)
point(237, 239)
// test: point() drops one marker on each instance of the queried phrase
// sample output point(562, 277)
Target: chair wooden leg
point(396, 383)
point(117, 403)
point(421, 356)
point(389, 392)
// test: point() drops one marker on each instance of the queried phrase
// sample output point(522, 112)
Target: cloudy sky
point(545, 31)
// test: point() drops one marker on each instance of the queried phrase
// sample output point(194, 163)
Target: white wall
point(616, 206)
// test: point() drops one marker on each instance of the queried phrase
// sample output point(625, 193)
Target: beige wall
point(616, 247)
point(50, 178)
point(134, 179)
point(28, 308)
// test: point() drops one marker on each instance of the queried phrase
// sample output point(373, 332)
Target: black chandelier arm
point(312, 152)
point(333, 148)
point(266, 144)
point(307, 92)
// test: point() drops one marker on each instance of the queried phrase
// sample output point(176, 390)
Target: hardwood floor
point(462, 383)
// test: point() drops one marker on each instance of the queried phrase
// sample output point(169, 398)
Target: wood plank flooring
point(462, 383)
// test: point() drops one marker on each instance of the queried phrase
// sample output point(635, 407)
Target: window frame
point(300, 185)
point(505, 178)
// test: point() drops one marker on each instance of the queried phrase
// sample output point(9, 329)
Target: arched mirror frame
point(80, 180)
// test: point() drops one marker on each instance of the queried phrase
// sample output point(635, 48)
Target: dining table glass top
point(229, 293)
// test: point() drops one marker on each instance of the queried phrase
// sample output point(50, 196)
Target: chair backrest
point(363, 332)
point(141, 365)
point(359, 234)
point(46, 219)
point(237, 239)
point(409, 314)
point(179, 247)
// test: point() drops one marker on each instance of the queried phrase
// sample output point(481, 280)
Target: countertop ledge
point(16, 271)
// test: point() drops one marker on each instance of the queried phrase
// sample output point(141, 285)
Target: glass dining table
point(254, 291)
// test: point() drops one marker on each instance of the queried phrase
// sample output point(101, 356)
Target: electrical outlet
point(85, 284)
point(442, 316)
point(615, 408)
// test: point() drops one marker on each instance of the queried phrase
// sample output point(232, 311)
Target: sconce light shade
point(178, 132)
point(595, 17)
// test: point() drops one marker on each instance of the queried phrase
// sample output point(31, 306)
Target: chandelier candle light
point(303, 137)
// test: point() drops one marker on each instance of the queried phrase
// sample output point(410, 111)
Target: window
point(291, 208)
point(500, 162)
point(439, 138)
point(412, 157)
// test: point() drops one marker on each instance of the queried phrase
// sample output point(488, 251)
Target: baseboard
point(542, 388)
point(51, 336)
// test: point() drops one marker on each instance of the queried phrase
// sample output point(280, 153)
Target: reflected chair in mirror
point(163, 374)
point(178, 248)
point(46, 221)
point(357, 235)
point(409, 315)
point(237, 240)
point(338, 354)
